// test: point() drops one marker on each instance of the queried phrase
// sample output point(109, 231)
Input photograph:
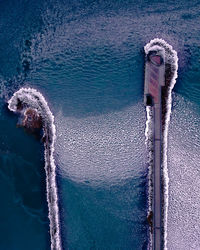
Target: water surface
point(86, 58)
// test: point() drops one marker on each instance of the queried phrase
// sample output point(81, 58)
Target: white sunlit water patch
point(108, 148)
point(184, 177)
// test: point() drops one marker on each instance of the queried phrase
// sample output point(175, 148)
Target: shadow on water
point(116, 87)
point(95, 82)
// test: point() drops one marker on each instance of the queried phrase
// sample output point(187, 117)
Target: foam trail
point(172, 59)
point(148, 124)
point(148, 142)
point(30, 98)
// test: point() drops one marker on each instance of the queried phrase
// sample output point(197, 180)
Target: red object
point(156, 59)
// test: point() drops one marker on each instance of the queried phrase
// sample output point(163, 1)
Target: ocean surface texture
point(87, 60)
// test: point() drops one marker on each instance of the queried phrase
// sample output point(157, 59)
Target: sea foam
point(172, 59)
point(31, 98)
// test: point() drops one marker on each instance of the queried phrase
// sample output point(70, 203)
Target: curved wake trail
point(30, 98)
point(171, 66)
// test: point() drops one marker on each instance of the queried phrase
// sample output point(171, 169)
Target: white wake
point(30, 98)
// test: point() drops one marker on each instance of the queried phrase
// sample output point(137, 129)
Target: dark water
point(86, 58)
point(24, 222)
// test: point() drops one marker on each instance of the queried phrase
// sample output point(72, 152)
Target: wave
point(171, 62)
point(31, 98)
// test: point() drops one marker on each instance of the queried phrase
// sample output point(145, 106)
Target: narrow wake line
point(148, 142)
point(30, 98)
point(171, 58)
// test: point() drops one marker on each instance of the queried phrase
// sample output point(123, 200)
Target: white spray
point(149, 143)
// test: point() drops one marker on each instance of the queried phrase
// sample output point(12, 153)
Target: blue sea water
point(87, 59)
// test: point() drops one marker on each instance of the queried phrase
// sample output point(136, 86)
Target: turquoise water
point(86, 58)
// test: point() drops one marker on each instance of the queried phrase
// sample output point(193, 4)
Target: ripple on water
point(184, 177)
point(107, 148)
